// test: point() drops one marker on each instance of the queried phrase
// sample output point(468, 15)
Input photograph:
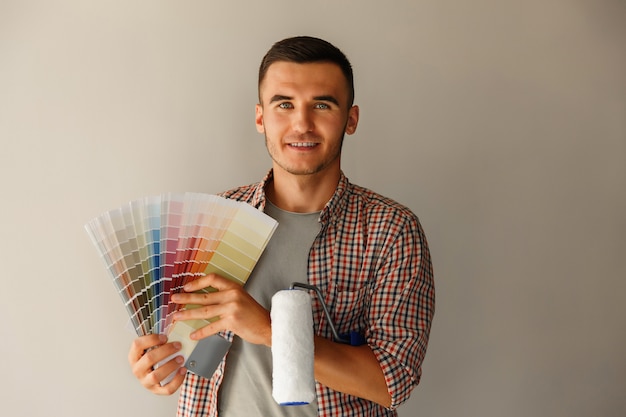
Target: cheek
point(336, 125)
point(273, 123)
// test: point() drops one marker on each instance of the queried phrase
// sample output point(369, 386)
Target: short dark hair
point(307, 49)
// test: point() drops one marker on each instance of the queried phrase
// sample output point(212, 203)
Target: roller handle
point(353, 338)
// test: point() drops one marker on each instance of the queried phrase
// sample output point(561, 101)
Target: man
point(366, 253)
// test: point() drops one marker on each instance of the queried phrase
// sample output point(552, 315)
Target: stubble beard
point(307, 171)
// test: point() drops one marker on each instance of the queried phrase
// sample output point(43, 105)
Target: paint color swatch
point(153, 246)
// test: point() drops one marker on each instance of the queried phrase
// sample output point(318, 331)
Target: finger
point(171, 386)
point(158, 354)
point(143, 343)
point(211, 312)
point(211, 280)
point(152, 357)
point(211, 306)
point(154, 378)
point(200, 298)
point(206, 331)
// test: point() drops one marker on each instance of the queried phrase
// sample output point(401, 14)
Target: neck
point(302, 193)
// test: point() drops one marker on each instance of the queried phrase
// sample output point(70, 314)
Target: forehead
point(308, 79)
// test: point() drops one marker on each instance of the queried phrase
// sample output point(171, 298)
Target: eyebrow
point(328, 98)
point(278, 97)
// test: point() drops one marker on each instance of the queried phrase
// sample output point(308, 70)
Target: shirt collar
point(337, 203)
point(331, 210)
point(258, 198)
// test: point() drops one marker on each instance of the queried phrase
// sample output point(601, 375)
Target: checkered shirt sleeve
point(374, 266)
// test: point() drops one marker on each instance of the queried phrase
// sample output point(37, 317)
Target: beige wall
point(501, 123)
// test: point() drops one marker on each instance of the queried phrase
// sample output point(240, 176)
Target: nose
point(302, 120)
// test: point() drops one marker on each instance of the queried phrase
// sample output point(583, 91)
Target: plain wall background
point(502, 124)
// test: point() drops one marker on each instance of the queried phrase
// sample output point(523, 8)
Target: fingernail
point(180, 360)
point(162, 338)
point(178, 345)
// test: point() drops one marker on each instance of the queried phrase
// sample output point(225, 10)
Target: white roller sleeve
point(292, 348)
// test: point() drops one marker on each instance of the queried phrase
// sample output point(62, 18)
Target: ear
point(258, 118)
point(353, 120)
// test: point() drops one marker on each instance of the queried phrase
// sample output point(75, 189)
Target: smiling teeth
point(303, 144)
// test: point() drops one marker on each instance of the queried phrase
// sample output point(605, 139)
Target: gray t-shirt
point(246, 390)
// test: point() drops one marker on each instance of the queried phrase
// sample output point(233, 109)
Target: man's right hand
point(147, 351)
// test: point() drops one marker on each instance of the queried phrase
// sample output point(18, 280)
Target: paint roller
point(293, 346)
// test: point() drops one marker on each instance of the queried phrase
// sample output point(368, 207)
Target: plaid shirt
point(371, 261)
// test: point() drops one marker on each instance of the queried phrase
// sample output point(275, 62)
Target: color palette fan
point(153, 246)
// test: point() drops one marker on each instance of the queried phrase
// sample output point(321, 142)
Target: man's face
point(304, 114)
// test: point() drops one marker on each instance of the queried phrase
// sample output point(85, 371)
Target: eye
point(285, 105)
point(322, 106)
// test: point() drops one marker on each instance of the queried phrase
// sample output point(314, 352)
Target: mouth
point(302, 145)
